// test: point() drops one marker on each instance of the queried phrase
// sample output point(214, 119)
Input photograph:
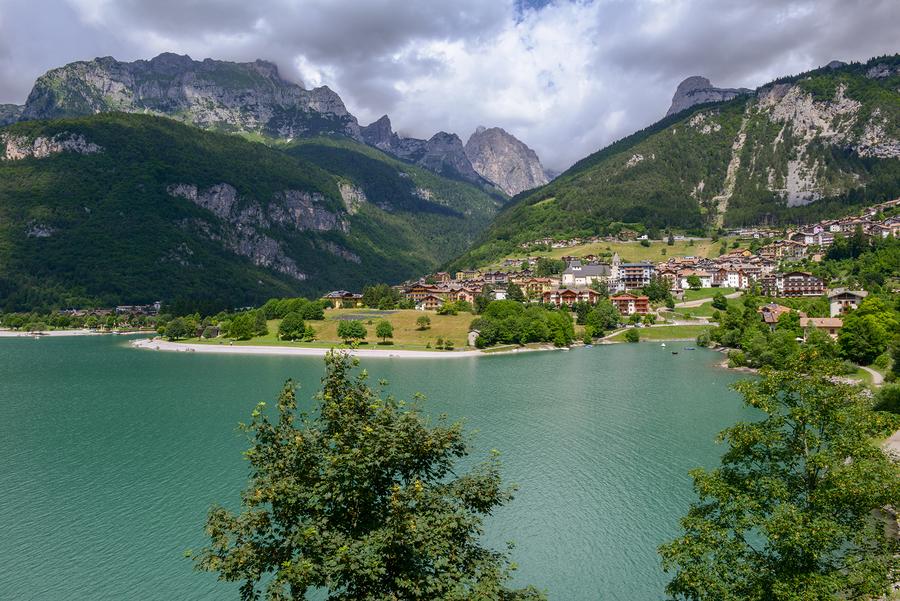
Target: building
point(570, 296)
point(629, 304)
point(841, 300)
point(341, 299)
point(430, 302)
point(792, 283)
point(636, 275)
point(579, 275)
point(829, 325)
point(706, 278)
point(771, 312)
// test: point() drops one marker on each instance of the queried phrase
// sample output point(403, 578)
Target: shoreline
point(60, 333)
point(157, 344)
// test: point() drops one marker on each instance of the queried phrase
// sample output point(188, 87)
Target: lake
point(111, 457)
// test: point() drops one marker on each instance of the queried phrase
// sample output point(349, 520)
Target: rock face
point(499, 157)
point(248, 221)
point(21, 147)
point(443, 153)
point(243, 97)
point(697, 90)
point(10, 113)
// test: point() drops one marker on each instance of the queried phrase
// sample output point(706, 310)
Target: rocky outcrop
point(10, 113)
point(248, 222)
point(502, 159)
point(697, 90)
point(21, 147)
point(242, 97)
point(443, 153)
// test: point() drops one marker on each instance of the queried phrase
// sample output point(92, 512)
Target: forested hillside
point(797, 149)
point(125, 208)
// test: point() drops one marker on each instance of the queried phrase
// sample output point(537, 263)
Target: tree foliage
point(351, 330)
point(292, 327)
point(361, 499)
point(789, 513)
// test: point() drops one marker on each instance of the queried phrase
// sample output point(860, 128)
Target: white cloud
point(567, 77)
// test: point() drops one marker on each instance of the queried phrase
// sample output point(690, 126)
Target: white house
point(841, 300)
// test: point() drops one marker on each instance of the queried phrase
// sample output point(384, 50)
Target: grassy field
point(633, 251)
point(692, 295)
point(665, 333)
point(406, 335)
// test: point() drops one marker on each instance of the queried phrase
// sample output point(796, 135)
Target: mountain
point(698, 90)
point(248, 98)
point(10, 113)
point(800, 148)
point(443, 153)
point(219, 95)
point(500, 158)
point(126, 208)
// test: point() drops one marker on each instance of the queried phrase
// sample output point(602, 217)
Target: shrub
point(736, 359)
point(632, 336)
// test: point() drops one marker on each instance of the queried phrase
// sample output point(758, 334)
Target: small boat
point(588, 346)
point(674, 352)
point(663, 345)
point(689, 348)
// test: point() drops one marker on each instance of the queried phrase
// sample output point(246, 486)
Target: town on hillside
point(587, 279)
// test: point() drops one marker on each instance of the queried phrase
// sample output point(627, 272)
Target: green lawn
point(407, 336)
point(692, 295)
point(665, 333)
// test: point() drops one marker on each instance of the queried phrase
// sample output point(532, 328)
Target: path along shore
point(157, 344)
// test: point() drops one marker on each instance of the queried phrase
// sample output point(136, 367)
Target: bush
point(888, 398)
point(736, 359)
point(423, 322)
point(703, 338)
point(632, 336)
point(719, 301)
point(351, 330)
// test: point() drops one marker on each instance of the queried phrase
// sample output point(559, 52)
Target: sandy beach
point(157, 344)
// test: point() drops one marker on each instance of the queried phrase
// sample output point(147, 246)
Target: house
point(580, 275)
point(442, 277)
point(841, 300)
point(570, 296)
point(417, 292)
point(771, 312)
point(535, 287)
point(629, 304)
point(430, 302)
point(341, 299)
point(467, 274)
point(829, 325)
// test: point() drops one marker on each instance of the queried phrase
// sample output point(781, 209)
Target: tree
point(657, 289)
point(423, 322)
point(176, 329)
point(694, 282)
point(513, 292)
point(380, 296)
point(789, 513)
point(670, 241)
point(547, 267)
point(292, 327)
point(384, 330)
point(351, 330)
point(862, 338)
point(261, 328)
point(604, 316)
point(361, 499)
point(719, 301)
point(243, 326)
point(632, 336)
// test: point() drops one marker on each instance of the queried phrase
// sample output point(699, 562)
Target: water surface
point(110, 457)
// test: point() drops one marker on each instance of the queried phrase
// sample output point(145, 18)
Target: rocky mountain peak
point(501, 158)
point(697, 90)
point(380, 134)
point(244, 97)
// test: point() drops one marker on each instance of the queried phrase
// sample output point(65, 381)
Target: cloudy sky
point(567, 77)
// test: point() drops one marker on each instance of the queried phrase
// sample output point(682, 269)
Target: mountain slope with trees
point(799, 148)
point(122, 208)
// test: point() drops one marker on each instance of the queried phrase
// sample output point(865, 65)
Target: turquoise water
point(110, 457)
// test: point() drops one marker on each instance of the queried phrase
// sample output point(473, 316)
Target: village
point(587, 279)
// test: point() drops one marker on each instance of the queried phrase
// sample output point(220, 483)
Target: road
point(877, 378)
